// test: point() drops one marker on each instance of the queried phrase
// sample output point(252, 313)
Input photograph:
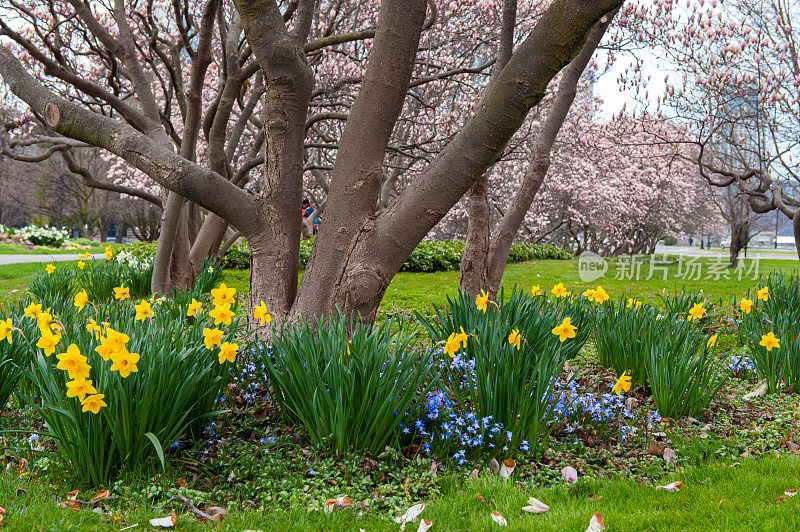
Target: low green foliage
point(347, 394)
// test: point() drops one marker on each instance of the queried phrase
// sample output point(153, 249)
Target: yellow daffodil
point(559, 290)
point(712, 340)
point(452, 345)
point(770, 342)
point(48, 342)
point(633, 303)
point(93, 328)
point(81, 264)
point(600, 295)
point(462, 337)
point(124, 362)
point(696, 312)
point(763, 293)
point(121, 292)
point(623, 384)
point(86, 256)
point(228, 352)
point(33, 310)
point(536, 290)
point(222, 314)
point(482, 301)
point(195, 308)
point(112, 342)
point(588, 294)
point(80, 388)
point(74, 363)
point(43, 320)
point(108, 252)
point(80, 300)
point(565, 330)
point(210, 269)
point(746, 305)
point(50, 268)
point(212, 337)
point(143, 310)
point(515, 338)
point(223, 295)
point(93, 403)
point(5, 330)
point(260, 313)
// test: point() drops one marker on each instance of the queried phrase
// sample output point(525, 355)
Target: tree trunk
point(735, 247)
point(473, 271)
point(796, 230)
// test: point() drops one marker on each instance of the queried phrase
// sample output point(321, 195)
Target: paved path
point(19, 258)
point(752, 253)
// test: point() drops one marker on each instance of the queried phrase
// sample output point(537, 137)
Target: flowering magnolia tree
point(611, 188)
point(735, 88)
point(199, 98)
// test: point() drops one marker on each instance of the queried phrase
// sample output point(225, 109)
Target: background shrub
point(429, 256)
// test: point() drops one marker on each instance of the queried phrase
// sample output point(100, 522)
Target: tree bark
point(275, 244)
point(358, 171)
point(473, 271)
point(796, 230)
point(380, 246)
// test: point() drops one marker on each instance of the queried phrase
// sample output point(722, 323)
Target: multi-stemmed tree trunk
point(357, 252)
point(485, 251)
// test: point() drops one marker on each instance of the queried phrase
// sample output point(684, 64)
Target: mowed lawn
point(419, 291)
point(724, 497)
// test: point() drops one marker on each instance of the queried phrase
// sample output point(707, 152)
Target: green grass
point(715, 497)
point(421, 290)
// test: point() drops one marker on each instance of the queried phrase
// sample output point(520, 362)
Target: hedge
point(429, 256)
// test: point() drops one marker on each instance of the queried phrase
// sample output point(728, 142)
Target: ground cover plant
point(291, 429)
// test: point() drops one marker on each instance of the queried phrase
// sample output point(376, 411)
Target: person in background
point(308, 211)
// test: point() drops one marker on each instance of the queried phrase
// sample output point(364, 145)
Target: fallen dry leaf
point(180, 482)
point(23, 465)
point(474, 474)
point(498, 518)
point(782, 498)
point(21, 492)
point(535, 506)
point(216, 513)
point(669, 455)
point(100, 495)
point(340, 502)
point(507, 468)
point(672, 486)
point(570, 474)
point(411, 514)
point(596, 524)
point(424, 525)
point(480, 497)
point(72, 495)
point(165, 522)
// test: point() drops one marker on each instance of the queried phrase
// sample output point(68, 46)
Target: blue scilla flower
point(524, 446)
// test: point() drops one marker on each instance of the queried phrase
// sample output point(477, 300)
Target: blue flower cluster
point(741, 364)
point(576, 409)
